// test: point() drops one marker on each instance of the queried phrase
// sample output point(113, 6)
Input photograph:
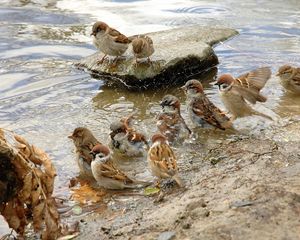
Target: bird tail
point(262, 115)
point(178, 180)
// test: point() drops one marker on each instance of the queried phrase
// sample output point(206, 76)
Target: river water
point(43, 97)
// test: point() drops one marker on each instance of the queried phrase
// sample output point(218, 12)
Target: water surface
point(43, 97)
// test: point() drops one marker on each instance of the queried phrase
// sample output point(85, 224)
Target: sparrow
point(202, 111)
point(235, 91)
point(162, 159)
point(107, 174)
point(170, 122)
point(290, 78)
point(142, 47)
point(84, 142)
point(109, 41)
point(126, 140)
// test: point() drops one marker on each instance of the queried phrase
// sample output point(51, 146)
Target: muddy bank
point(241, 187)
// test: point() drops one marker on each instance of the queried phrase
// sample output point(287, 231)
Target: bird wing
point(110, 171)
point(249, 84)
point(117, 36)
point(207, 111)
point(164, 158)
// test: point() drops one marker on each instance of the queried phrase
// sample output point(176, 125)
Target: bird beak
point(93, 34)
point(218, 84)
point(71, 137)
point(277, 74)
point(183, 88)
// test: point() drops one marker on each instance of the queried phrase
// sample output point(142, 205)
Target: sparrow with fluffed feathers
point(202, 111)
point(107, 174)
point(162, 159)
point(142, 47)
point(235, 92)
point(84, 142)
point(109, 41)
point(126, 140)
point(170, 122)
point(290, 78)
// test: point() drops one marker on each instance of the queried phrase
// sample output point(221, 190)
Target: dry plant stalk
point(33, 197)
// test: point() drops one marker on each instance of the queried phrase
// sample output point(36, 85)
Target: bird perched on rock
point(107, 174)
point(235, 91)
point(202, 111)
point(142, 47)
point(162, 159)
point(290, 78)
point(125, 139)
point(109, 41)
point(170, 122)
point(84, 142)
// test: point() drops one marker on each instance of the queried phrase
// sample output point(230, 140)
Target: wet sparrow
point(290, 78)
point(107, 174)
point(235, 91)
point(170, 122)
point(142, 47)
point(109, 41)
point(202, 111)
point(162, 159)
point(126, 140)
point(84, 141)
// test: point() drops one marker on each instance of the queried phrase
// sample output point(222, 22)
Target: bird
point(109, 41)
point(170, 122)
point(235, 91)
point(202, 111)
point(84, 142)
point(107, 174)
point(290, 78)
point(162, 160)
point(126, 140)
point(142, 47)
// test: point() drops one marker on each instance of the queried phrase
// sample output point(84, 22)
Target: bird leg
point(102, 59)
point(136, 62)
point(114, 63)
point(149, 61)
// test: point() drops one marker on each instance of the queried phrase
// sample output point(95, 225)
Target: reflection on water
point(43, 97)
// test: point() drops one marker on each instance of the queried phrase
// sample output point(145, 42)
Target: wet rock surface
point(252, 192)
point(180, 54)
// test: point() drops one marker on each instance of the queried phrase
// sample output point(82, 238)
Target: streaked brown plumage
point(170, 122)
point(84, 141)
point(142, 47)
point(290, 78)
point(107, 174)
point(126, 139)
point(202, 111)
point(162, 159)
point(109, 41)
point(235, 91)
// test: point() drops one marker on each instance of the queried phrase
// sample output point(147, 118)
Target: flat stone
point(180, 54)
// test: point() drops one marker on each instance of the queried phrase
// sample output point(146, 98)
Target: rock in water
point(180, 54)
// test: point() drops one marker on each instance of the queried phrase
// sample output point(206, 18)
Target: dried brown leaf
point(36, 191)
point(11, 216)
point(51, 226)
point(49, 167)
point(37, 155)
point(2, 135)
point(86, 193)
point(38, 215)
point(48, 184)
point(27, 186)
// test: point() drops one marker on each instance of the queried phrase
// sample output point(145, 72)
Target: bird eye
point(224, 86)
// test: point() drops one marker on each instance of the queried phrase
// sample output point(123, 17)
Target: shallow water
point(43, 97)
